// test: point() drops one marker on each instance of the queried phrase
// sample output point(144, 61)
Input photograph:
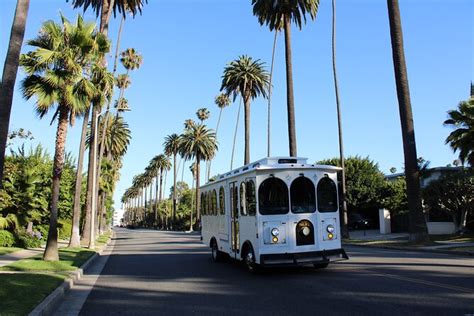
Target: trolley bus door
point(234, 218)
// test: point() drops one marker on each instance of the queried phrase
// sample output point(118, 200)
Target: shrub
point(64, 229)
point(6, 238)
point(43, 230)
point(27, 240)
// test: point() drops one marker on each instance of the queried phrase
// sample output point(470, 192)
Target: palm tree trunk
point(270, 95)
point(247, 129)
point(235, 134)
point(51, 251)
point(208, 165)
point(151, 202)
point(10, 69)
point(145, 204)
point(345, 230)
point(418, 229)
point(86, 235)
point(198, 200)
point(156, 199)
point(103, 214)
point(117, 46)
point(75, 240)
point(174, 191)
point(289, 90)
point(192, 207)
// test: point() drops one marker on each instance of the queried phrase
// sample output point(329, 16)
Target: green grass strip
point(7, 250)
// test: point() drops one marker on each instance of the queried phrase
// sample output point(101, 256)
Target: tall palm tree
point(104, 81)
point(270, 94)
point(188, 123)
point(222, 101)
point(192, 168)
point(55, 77)
point(171, 145)
point(279, 14)
point(462, 138)
point(198, 143)
point(418, 229)
point(202, 114)
point(345, 230)
point(248, 78)
point(103, 9)
point(10, 69)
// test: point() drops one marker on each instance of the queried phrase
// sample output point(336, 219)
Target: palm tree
point(222, 101)
point(345, 230)
point(188, 123)
point(248, 78)
point(104, 8)
point(192, 168)
point(104, 82)
point(172, 144)
point(279, 14)
point(199, 143)
point(10, 69)
point(58, 81)
point(418, 229)
point(462, 138)
point(270, 94)
point(202, 114)
point(123, 81)
point(114, 147)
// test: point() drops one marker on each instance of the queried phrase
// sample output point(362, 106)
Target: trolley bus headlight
point(330, 229)
point(275, 232)
point(306, 231)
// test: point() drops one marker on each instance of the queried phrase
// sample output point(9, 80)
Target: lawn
point(21, 292)
point(103, 239)
point(7, 250)
point(69, 259)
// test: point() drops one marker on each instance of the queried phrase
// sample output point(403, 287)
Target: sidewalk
point(399, 241)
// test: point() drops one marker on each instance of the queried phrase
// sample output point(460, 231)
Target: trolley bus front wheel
point(217, 256)
point(249, 260)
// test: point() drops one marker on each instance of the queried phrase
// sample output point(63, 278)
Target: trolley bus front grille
point(303, 257)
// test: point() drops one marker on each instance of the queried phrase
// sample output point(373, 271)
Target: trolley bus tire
point(217, 256)
point(249, 261)
point(320, 265)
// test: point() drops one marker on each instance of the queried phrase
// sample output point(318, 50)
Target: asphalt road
point(166, 273)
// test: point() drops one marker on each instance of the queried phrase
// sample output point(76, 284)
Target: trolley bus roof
point(272, 163)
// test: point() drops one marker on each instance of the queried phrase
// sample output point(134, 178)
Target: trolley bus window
point(327, 195)
point(243, 210)
point(214, 202)
point(203, 203)
point(235, 209)
point(273, 197)
point(250, 192)
point(302, 196)
point(221, 201)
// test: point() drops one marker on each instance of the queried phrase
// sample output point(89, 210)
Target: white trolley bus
point(276, 211)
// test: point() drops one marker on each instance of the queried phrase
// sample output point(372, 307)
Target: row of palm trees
point(244, 77)
point(66, 74)
point(196, 143)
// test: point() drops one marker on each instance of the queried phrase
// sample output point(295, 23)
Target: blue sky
point(186, 44)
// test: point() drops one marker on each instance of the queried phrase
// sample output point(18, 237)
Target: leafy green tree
point(276, 15)
point(248, 78)
point(453, 195)
point(55, 77)
point(365, 182)
point(462, 138)
point(394, 196)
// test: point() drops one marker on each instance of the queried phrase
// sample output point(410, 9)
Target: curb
point(445, 252)
point(52, 301)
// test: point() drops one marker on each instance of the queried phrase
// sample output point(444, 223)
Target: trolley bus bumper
point(324, 256)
